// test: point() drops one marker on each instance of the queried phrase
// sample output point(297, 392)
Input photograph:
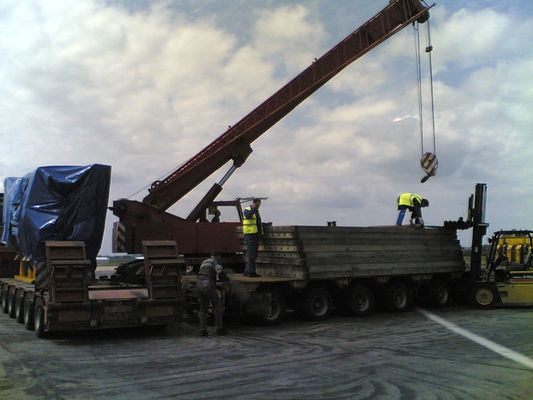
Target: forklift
point(507, 279)
point(509, 270)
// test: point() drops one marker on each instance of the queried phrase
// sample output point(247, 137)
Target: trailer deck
point(71, 301)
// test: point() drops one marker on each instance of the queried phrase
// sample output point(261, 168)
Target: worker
point(414, 203)
point(252, 228)
point(206, 292)
point(216, 212)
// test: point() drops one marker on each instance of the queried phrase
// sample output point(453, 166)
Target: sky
point(144, 85)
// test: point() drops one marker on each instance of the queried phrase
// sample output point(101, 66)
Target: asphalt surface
point(384, 356)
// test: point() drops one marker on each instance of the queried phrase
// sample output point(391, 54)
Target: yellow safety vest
point(249, 225)
point(406, 199)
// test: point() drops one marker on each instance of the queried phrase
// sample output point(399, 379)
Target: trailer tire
point(29, 323)
point(361, 300)
point(38, 318)
point(397, 297)
point(19, 306)
point(316, 304)
point(482, 296)
point(11, 302)
point(3, 298)
point(439, 294)
point(41, 275)
point(276, 310)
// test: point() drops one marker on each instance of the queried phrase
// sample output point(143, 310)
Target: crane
point(196, 236)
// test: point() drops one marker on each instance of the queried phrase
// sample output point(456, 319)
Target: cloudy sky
point(143, 85)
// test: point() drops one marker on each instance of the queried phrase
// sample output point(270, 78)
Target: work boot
point(203, 332)
point(254, 275)
point(221, 331)
point(245, 274)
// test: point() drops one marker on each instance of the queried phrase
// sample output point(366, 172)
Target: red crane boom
point(234, 144)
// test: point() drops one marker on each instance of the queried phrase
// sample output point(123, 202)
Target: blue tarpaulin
point(12, 195)
point(56, 203)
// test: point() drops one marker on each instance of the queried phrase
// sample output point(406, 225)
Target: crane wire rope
point(416, 31)
point(428, 160)
point(429, 50)
point(150, 184)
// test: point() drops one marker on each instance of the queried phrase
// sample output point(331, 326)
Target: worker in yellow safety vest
point(251, 228)
point(414, 203)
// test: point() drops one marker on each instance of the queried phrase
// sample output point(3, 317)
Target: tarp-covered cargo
point(8, 266)
point(11, 200)
point(56, 203)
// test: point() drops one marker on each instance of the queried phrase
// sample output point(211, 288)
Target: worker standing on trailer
point(414, 203)
point(206, 292)
point(252, 228)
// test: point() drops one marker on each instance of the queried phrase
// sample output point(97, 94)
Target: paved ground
point(385, 356)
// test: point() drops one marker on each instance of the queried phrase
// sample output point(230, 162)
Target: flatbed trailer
point(71, 300)
point(313, 269)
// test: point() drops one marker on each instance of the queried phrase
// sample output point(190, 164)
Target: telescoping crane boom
point(149, 220)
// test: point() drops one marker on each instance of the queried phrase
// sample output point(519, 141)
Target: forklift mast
point(476, 217)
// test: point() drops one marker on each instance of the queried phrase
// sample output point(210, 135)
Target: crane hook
point(429, 164)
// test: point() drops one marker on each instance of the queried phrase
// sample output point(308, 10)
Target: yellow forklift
point(508, 278)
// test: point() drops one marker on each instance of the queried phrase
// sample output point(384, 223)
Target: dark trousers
point(416, 215)
point(206, 295)
point(252, 245)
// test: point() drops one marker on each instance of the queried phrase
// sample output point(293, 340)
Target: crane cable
point(419, 84)
point(428, 160)
point(429, 50)
point(150, 184)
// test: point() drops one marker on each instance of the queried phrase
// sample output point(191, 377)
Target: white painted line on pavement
point(495, 347)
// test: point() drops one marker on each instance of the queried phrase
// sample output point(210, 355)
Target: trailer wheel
point(439, 294)
point(11, 302)
point(29, 323)
point(483, 296)
point(397, 297)
point(276, 309)
point(38, 318)
point(361, 300)
point(316, 304)
point(19, 306)
point(3, 295)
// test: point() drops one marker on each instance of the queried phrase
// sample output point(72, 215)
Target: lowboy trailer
point(312, 269)
point(71, 300)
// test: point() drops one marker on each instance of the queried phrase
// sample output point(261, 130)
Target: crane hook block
point(429, 164)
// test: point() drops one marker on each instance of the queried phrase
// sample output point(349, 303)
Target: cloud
point(405, 117)
point(287, 35)
point(468, 36)
point(144, 87)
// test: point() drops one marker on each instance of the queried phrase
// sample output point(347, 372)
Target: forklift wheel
point(483, 296)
